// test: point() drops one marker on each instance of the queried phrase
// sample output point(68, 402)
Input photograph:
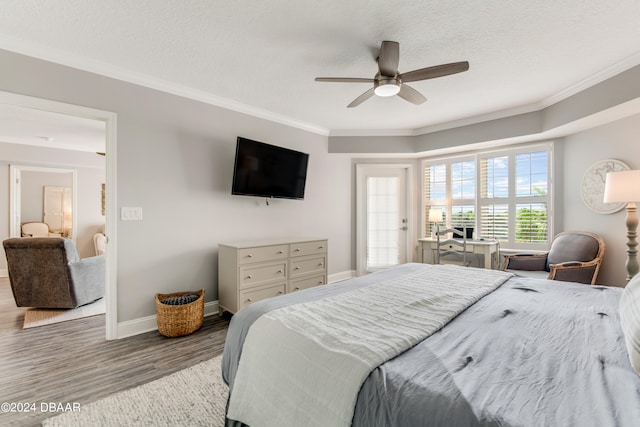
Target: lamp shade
point(622, 187)
point(435, 215)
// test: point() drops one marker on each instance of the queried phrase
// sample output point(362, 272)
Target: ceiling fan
point(388, 81)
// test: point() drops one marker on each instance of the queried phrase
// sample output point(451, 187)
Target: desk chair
point(456, 246)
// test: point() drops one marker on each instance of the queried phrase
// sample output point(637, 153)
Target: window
point(501, 194)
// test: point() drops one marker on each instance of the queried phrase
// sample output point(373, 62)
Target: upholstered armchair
point(574, 256)
point(47, 272)
point(37, 229)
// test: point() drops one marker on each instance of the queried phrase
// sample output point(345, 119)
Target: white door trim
point(15, 195)
point(110, 120)
point(361, 241)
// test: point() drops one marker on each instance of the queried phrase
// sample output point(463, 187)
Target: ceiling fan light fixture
point(387, 89)
point(389, 82)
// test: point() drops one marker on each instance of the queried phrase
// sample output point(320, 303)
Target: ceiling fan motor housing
point(386, 86)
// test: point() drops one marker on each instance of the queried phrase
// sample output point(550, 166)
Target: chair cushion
point(531, 263)
point(630, 320)
point(572, 247)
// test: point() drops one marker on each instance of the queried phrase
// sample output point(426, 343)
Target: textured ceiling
point(262, 57)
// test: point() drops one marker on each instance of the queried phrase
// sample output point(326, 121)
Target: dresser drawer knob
point(249, 277)
point(280, 252)
point(297, 250)
point(320, 282)
point(249, 256)
point(249, 300)
point(297, 268)
point(296, 289)
point(279, 292)
point(279, 271)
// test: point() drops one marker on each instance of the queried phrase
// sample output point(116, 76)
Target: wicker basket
point(179, 320)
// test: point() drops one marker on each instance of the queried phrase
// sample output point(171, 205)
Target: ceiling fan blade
point(388, 58)
point(343, 80)
point(436, 71)
point(410, 94)
point(359, 100)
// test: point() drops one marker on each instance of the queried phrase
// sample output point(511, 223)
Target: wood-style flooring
point(73, 362)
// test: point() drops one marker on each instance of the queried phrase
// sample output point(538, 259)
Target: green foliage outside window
point(531, 225)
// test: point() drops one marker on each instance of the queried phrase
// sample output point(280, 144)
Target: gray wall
point(175, 161)
point(617, 140)
point(32, 185)
point(90, 175)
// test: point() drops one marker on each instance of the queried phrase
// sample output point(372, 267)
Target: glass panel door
point(382, 218)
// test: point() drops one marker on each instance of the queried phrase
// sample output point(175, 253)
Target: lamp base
point(632, 253)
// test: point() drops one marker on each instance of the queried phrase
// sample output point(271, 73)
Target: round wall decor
point(592, 188)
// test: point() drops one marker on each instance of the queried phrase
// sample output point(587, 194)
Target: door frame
point(361, 210)
point(110, 120)
point(15, 195)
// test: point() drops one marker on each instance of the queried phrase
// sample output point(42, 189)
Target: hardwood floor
point(72, 362)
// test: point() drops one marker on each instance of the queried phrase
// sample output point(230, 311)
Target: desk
point(488, 248)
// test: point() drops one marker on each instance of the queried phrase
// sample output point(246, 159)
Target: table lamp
point(624, 187)
point(435, 217)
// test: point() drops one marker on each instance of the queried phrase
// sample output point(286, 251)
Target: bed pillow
point(630, 320)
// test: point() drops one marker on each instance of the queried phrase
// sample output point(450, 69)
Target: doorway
point(109, 125)
point(26, 205)
point(384, 224)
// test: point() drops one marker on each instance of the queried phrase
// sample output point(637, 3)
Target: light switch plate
point(131, 214)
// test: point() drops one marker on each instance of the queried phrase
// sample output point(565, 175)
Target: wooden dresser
point(252, 271)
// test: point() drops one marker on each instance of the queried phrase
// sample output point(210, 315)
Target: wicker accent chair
point(574, 256)
point(47, 272)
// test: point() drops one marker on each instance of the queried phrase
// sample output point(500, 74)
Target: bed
point(523, 352)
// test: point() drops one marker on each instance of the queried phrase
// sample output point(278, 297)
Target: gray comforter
point(532, 353)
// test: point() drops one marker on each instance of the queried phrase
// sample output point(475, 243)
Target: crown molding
point(586, 83)
point(372, 132)
point(598, 77)
point(108, 70)
point(105, 69)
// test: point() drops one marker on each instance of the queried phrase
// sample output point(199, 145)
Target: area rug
point(195, 396)
point(35, 317)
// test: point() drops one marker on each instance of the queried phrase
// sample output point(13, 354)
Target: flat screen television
point(266, 170)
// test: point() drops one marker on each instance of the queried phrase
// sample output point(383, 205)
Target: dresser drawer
point(249, 297)
point(254, 275)
point(300, 266)
point(263, 253)
point(307, 282)
point(308, 248)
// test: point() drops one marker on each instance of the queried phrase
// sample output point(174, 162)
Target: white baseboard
point(339, 277)
point(133, 327)
point(4, 272)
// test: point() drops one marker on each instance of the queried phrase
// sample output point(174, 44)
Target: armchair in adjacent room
point(574, 256)
point(47, 272)
point(37, 229)
point(100, 241)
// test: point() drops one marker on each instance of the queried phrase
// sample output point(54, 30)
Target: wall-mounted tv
point(266, 170)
